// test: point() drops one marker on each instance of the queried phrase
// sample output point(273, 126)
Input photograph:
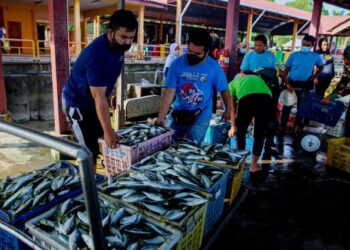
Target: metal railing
point(18, 50)
point(84, 157)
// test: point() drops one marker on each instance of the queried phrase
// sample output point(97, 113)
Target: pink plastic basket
point(120, 159)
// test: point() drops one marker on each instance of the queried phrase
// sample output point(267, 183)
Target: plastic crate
point(311, 108)
point(10, 242)
point(19, 220)
point(217, 133)
point(338, 130)
point(234, 184)
point(338, 153)
point(249, 143)
point(216, 202)
point(48, 241)
point(120, 159)
point(191, 226)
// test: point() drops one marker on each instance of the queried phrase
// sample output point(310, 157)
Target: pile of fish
point(188, 171)
point(122, 228)
point(139, 133)
point(215, 153)
point(36, 188)
point(152, 192)
point(216, 120)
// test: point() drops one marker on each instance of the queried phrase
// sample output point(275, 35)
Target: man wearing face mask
point(300, 76)
point(191, 79)
point(92, 79)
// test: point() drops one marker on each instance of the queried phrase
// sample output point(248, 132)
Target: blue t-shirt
point(96, 66)
point(253, 61)
point(194, 84)
point(302, 64)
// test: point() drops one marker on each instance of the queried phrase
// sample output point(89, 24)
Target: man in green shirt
point(254, 101)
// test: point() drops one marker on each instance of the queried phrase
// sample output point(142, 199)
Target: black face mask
point(193, 59)
point(119, 48)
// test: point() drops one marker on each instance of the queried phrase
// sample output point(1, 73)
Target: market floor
point(299, 205)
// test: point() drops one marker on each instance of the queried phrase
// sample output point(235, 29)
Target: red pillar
point(232, 21)
point(3, 102)
point(58, 15)
point(316, 19)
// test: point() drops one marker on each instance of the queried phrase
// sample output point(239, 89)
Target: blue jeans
point(195, 132)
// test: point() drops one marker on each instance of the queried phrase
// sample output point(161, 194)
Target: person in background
point(343, 88)
point(299, 76)
point(173, 54)
point(254, 101)
point(191, 79)
point(259, 57)
point(92, 79)
point(327, 74)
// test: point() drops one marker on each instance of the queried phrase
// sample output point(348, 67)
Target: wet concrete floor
point(300, 204)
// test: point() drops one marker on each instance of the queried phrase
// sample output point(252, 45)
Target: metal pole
point(180, 22)
point(303, 27)
point(84, 157)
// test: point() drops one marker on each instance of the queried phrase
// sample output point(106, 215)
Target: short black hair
point(309, 38)
point(262, 38)
point(200, 38)
point(122, 18)
point(346, 52)
point(323, 39)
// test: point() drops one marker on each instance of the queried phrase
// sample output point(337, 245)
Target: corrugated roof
point(158, 1)
point(330, 23)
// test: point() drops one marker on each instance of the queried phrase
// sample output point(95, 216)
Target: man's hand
point(111, 139)
point(160, 121)
point(290, 88)
point(316, 81)
point(232, 132)
point(226, 115)
point(326, 100)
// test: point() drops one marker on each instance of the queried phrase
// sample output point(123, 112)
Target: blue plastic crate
point(311, 108)
point(217, 133)
point(249, 142)
point(19, 220)
point(10, 242)
point(216, 202)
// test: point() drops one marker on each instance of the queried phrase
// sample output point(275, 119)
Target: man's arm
point(165, 103)
point(232, 131)
point(226, 97)
point(102, 109)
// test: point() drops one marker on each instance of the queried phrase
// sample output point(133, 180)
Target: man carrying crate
point(92, 79)
point(343, 88)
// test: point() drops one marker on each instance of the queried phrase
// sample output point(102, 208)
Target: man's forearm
point(166, 101)
point(226, 97)
point(233, 112)
point(102, 110)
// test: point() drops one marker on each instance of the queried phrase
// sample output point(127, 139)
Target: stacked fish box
point(198, 175)
point(135, 143)
point(217, 131)
point(218, 155)
point(67, 227)
point(30, 194)
point(164, 200)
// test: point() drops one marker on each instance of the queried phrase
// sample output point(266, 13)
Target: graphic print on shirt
point(191, 94)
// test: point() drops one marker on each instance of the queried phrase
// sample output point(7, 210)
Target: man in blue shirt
point(191, 79)
point(299, 76)
point(259, 57)
point(92, 79)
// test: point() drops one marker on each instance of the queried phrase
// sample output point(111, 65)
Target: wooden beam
point(316, 19)
point(77, 28)
point(3, 101)
point(232, 21)
point(249, 27)
point(178, 23)
point(58, 16)
point(295, 30)
point(98, 21)
point(141, 29)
